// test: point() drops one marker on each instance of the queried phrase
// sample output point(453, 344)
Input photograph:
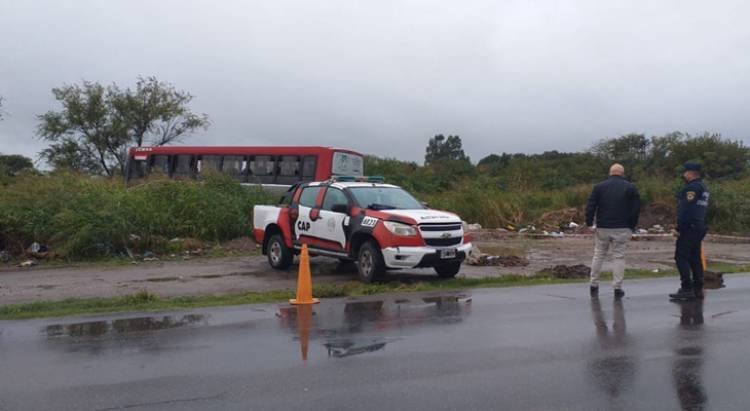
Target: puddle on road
point(122, 326)
point(347, 329)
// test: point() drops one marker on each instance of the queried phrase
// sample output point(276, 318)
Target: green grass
point(146, 301)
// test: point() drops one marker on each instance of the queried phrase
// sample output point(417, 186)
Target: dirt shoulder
point(242, 274)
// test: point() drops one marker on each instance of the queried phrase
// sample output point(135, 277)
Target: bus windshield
point(385, 198)
point(347, 164)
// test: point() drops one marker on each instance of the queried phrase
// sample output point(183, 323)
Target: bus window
point(232, 166)
point(209, 164)
point(160, 165)
point(183, 166)
point(345, 164)
point(288, 170)
point(308, 168)
point(137, 169)
point(261, 169)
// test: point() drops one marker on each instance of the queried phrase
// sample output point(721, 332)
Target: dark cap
point(691, 167)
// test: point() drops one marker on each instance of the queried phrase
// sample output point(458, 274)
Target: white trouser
point(615, 239)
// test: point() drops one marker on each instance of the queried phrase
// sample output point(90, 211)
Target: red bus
point(267, 166)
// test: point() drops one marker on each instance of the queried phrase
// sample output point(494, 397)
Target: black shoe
point(594, 291)
point(619, 293)
point(683, 295)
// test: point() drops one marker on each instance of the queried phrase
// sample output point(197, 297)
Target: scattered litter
point(5, 256)
point(473, 227)
point(37, 250)
point(150, 256)
point(573, 224)
point(656, 229)
point(641, 231)
point(569, 271)
point(175, 240)
point(134, 237)
point(27, 264)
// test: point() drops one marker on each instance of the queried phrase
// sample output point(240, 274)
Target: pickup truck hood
point(425, 216)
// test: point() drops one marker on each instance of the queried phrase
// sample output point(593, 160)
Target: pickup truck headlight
point(400, 229)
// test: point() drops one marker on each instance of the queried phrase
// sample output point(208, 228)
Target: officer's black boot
point(594, 291)
point(683, 294)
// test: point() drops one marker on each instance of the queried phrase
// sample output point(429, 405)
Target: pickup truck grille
point(443, 242)
point(442, 234)
point(440, 227)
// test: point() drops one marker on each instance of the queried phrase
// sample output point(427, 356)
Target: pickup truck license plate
point(450, 253)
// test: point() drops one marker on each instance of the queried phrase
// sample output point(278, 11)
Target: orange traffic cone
point(304, 280)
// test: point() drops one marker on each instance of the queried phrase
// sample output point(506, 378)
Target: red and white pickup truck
point(380, 226)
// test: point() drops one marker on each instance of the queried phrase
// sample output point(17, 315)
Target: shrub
point(82, 216)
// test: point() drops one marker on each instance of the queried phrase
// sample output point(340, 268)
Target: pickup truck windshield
point(385, 198)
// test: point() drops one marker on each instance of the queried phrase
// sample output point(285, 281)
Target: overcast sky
point(383, 76)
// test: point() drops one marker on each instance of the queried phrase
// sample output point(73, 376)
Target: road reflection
point(124, 325)
point(688, 360)
point(612, 367)
point(97, 336)
point(357, 327)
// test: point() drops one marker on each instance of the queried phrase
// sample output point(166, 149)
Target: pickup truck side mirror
point(340, 208)
point(425, 205)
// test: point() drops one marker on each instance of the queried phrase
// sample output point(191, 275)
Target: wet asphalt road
point(533, 348)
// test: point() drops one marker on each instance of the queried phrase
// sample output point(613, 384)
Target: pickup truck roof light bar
point(360, 179)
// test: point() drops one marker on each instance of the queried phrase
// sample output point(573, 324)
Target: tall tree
point(14, 164)
point(156, 113)
point(87, 124)
point(441, 148)
point(97, 124)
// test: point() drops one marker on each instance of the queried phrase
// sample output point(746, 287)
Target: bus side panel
point(324, 165)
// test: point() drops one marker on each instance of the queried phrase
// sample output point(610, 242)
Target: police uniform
point(691, 224)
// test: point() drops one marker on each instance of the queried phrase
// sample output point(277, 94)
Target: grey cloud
point(382, 77)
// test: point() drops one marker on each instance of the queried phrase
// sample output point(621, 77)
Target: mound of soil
point(477, 257)
point(657, 214)
point(557, 219)
point(241, 244)
point(505, 261)
point(569, 271)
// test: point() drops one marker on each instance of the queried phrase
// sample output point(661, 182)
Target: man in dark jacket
point(692, 205)
point(615, 205)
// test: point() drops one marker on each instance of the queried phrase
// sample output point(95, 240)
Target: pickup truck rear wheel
point(279, 255)
point(448, 270)
point(370, 264)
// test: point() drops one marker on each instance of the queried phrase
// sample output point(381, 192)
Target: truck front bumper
point(413, 257)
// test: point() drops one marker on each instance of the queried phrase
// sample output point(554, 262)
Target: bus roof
point(238, 150)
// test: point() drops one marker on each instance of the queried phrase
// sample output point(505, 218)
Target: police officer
point(691, 228)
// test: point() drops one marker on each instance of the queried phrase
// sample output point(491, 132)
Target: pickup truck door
point(332, 220)
point(306, 211)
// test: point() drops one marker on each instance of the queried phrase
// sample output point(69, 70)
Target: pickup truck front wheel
point(448, 270)
point(279, 255)
point(370, 264)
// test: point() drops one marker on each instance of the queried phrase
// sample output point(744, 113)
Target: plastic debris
point(28, 264)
